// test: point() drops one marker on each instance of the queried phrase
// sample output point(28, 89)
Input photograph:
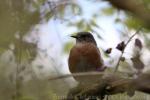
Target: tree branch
point(77, 74)
point(110, 85)
point(135, 7)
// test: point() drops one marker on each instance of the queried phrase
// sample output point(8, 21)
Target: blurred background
point(35, 42)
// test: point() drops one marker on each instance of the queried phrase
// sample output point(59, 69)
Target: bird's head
point(84, 37)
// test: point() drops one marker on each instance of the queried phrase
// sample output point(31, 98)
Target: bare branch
point(111, 85)
point(77, 74)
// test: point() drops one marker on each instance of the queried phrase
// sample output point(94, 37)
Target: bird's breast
point(84, 57)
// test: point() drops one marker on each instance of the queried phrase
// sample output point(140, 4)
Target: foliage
point(19, 17)
point(15, 19)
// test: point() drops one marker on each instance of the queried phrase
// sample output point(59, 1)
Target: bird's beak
point(73, 36)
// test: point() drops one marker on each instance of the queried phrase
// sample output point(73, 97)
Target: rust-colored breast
point(84, 57)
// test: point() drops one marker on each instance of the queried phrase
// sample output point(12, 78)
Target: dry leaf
point(122, 59)
point(137, 63)
point(121, 46)
point(108, 51)
point(138, 43)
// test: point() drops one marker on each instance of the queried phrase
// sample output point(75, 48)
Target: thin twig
point(53, 9)
point(77, 74)
point(18, 61)
point(117, 65)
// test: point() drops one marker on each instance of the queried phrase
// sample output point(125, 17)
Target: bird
point(85, 57)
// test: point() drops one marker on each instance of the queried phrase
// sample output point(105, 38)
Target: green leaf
point(25, 50)
point(26, 98)
point(132, 22)
point(76, 9)
point(108, 11)
point(67, 47)
point(93, 23)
